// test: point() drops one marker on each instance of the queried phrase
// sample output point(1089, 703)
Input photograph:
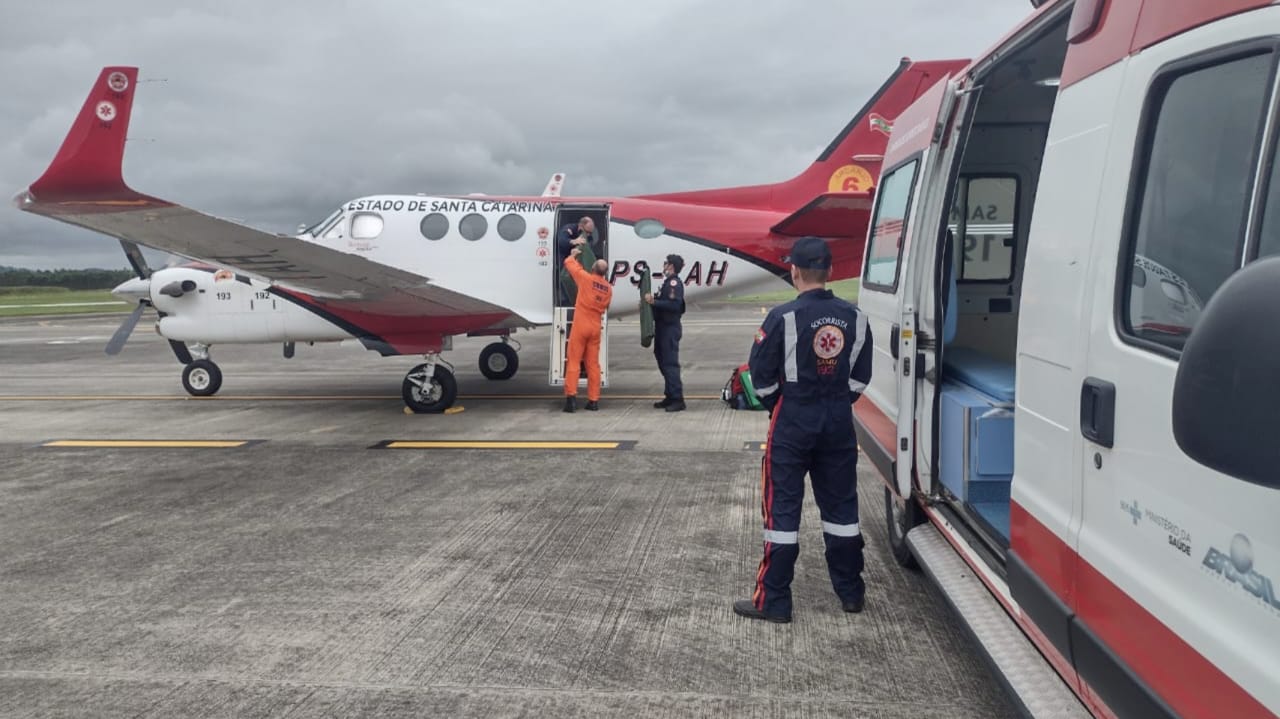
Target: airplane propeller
point(139, 289)
point(126, 328)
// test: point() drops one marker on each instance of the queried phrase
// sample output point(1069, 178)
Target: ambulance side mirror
point(1226, 398)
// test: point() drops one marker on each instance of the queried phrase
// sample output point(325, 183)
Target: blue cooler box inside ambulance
point(976, 427)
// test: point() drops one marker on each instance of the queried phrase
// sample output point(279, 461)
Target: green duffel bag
point(587, 258)
point(749, 390)
point(646, 312)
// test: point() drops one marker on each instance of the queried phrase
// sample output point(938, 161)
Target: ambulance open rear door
point(917, 139)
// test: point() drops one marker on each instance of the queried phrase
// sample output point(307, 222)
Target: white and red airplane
point(403, 274)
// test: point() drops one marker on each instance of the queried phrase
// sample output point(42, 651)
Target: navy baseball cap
point(810, 253)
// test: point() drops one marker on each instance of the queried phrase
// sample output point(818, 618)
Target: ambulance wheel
point(499, 361)
point(429, 395)
point(201, 378)
point(901, 517)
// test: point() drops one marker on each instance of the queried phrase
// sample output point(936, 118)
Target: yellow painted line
point(148, 443)
point(499, 444)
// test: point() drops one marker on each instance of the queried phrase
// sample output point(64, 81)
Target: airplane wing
point(83, 186)
point(832, 214)
point(554, 185)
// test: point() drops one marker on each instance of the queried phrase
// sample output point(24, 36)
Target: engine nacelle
point(219, 308)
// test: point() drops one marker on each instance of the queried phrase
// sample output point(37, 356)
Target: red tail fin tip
point(851, 162)
point(89, 161)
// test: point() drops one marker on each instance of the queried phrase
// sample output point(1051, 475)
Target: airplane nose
point(133, 290)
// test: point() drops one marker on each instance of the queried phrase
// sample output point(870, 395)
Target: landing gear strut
point(430, 387)
point(499, 360)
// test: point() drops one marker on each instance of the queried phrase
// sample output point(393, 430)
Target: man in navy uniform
point(668, 306)
point(811, 360)
point(574, 235)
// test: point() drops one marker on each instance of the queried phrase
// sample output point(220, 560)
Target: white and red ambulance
point(1076, 391)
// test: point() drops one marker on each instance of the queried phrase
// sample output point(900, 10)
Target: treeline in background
point(90, 279)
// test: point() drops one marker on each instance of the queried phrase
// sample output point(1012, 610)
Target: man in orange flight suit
point(594, 295)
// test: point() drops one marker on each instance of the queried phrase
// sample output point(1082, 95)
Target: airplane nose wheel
point(201, 378)
point(499, 361)
point(429, 393)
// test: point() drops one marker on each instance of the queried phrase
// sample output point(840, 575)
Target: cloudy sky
point(275, 113)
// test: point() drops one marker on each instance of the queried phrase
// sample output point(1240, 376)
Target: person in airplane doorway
point(811, 360)
point(576, 235)
point(668, 306)
point(594, 295)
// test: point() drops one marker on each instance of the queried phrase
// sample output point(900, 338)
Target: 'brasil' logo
point(1236, 567)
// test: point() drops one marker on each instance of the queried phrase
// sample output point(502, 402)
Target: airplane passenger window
point(365, 226)
point(649, 228)
point(889, 227)
point(511, 227)
point(434, 226)
point(473, 226)
point(1196, 177)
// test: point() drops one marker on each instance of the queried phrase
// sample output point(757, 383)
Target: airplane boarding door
point(562, 317)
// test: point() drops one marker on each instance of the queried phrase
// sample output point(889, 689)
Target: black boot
point(665, 401)
point(676, 405)
point(570, 404)
point(745, 608)
point(592, 406)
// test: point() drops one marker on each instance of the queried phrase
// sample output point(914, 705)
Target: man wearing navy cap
point(668, 306)
point(810, 361)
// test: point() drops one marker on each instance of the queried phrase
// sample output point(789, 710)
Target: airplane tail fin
point(850, 162)
point(89, 161)
point(554, 186)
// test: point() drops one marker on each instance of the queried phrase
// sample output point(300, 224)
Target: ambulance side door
point(1170, 551)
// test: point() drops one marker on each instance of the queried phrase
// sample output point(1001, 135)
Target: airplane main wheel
point(201, 378)
point(499, 361)
point(429, 395)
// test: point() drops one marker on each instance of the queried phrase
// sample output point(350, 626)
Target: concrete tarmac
point(313, 571)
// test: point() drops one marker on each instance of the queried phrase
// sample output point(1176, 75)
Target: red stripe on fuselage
point(741, 230)
point(405, 333)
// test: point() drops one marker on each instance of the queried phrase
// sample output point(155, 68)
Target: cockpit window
point(334, 231)
point(366, 225)
point(318, 229)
